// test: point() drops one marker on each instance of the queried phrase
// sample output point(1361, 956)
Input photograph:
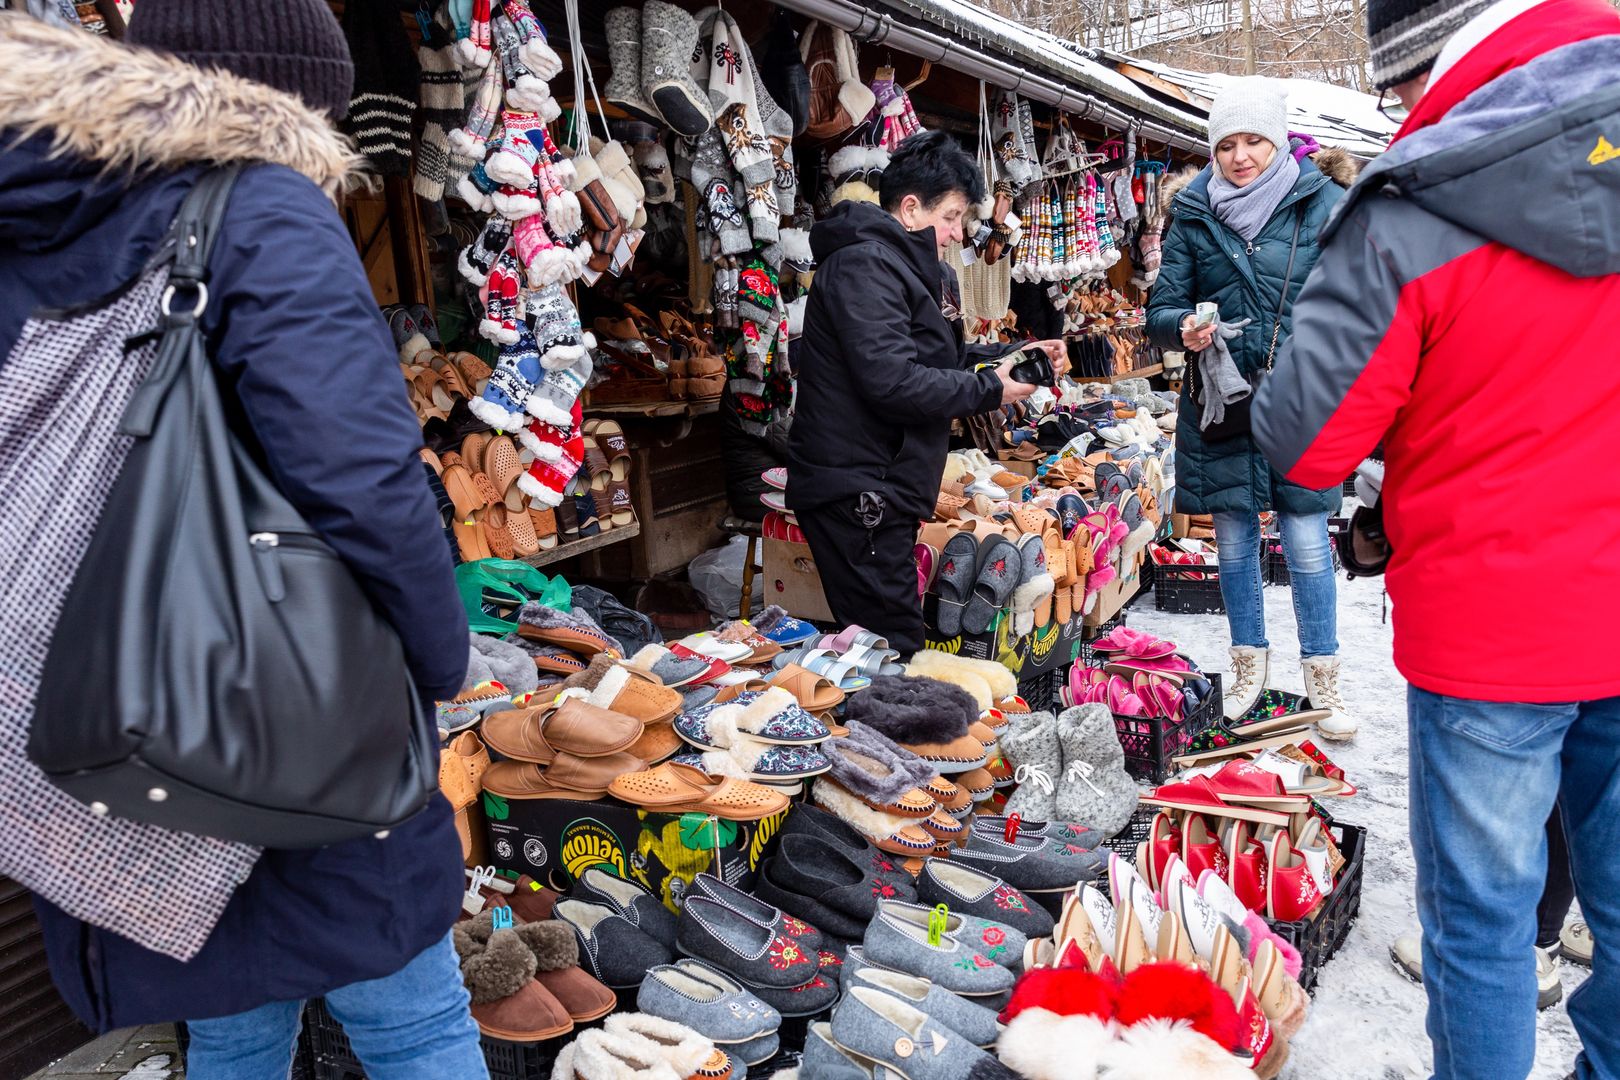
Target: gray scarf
point(1245, 210)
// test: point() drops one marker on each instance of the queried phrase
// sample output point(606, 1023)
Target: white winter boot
point(1322, 692)
point(1251, 670)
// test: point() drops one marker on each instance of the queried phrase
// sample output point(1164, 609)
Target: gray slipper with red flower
point(957, 965)
point(717, 933)
point(996, 940)
point(967, 891)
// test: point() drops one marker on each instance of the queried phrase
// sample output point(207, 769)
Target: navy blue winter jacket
point(303, 351)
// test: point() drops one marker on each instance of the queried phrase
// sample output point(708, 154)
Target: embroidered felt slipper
point(609, 685)
point(839, 889)
point(678, 789)
point(996, 939)
point(763, 1049)
point(954, 582)
point(611, 947)
point(814, 821)
point(708, 1001)
point(967, 891)
point(712, 931)
point(1068, 831)
point(641, 908)
point(1030, 864)
point(888, 832)
point(767, 915)
point(572, 726)
point(881, 774)
point(953, 964)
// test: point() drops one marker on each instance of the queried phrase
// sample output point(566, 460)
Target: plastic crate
point(1274, 563)
point(333, 1059)
point(1179, 589)
point(1087, 656)
point(1040, 691)
point(1152, 743)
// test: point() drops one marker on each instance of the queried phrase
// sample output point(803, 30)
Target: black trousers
point(868, 576)
point(1559, 892)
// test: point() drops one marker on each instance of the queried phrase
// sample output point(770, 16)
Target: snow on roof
point(1333, 115)
point(1052, 55)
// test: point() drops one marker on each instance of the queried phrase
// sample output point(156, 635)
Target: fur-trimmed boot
point(1094, 790)
point(1031, 746)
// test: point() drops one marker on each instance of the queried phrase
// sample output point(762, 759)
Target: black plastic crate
point(1087, 657)
point(1179, 589)
point(1321, 936)
point(1274, 563)
point(1153, 743)
point(1040, 691)
point(333, 1059)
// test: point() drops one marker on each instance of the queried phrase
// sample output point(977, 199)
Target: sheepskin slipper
point(881, 774)
point(933, 664)
point(887, 832)
point(683, 1049)
point(508, 664)
point(914, 710)
point(507, 1002)
point(1154, 1049)
point(1043, 1045)
point(603, 1055)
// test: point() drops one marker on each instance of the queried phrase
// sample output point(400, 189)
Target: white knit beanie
point(1252, 105)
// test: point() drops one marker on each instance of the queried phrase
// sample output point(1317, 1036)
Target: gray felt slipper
point(966, 891)
point(643, 910)
point(1030, 863)
point(756, 1051)
point(811, 999)
point(610, 946)
point(882, 1030)
point(1000, 569)
point(973, 1022)
point(708, 1001)
point(1068, 831)
point(767, 915)
point(669, 669)
point(955, 965)
point(825, 1060)
point(997, 939)
point(713, 931)
point(958, 570)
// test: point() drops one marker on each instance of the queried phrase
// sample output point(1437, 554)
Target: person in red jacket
point(1474, 266)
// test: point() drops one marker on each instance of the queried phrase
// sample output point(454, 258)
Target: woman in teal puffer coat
point(1229, 243)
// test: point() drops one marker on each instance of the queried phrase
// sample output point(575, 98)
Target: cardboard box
point(1111, 600)
point(792, 580)
point(556, 840)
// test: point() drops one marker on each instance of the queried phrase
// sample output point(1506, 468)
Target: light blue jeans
point(411, 1025)
point(1484, 775)
point(1310, 569)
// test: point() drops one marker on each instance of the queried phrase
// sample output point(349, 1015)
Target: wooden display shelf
point(653, 410)
point(580, 547)
point(1139, 373)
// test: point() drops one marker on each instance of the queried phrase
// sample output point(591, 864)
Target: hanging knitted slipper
point(623, 30)
point(669, 40)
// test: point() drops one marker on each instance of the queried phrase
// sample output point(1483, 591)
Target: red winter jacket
point(1466, 310)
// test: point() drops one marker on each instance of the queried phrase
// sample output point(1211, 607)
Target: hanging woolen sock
point(558, 454)
point(535, 50)
point(443, 106)
point(537, 252)
point(478, 258)
point(500, 295)
point(476, 49)
point(525, 90)
point(483, 111)
point(555, 321)
point(501, 404)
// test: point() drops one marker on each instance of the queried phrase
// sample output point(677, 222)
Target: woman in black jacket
point(302, 352)
point(881, 376)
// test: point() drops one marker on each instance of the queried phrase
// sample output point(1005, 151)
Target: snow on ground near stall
point(1366, 1022)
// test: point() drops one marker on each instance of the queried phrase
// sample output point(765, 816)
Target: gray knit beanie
point(1253, 105)
point(1405, 36)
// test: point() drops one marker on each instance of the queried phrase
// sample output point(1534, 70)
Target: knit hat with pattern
point(1405, 36)
point(292, 45)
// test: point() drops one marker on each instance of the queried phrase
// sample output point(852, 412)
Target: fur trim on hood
point(1176, 183)
point(135, 109)
point(1338, 165)
point(909, 709)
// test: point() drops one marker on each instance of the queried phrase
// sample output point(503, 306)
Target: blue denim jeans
point(1484, 777)
point(1310, 568)
point(411, 1025)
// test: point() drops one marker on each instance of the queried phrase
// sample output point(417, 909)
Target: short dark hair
point(930, 165)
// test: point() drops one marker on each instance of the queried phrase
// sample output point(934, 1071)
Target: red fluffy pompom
point(1064, 991)
point(1175, 992)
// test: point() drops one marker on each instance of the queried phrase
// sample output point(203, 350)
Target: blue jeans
point(1310, 568)
point(411, 1025)
point(1484, 777)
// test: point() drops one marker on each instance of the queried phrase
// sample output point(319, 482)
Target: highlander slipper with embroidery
point(996, 940)
point(814, 821)
point(769, 916)
point(954, 581)
point(718, 934)
point(967, 891)
point(1033, 865)
point(954, 964)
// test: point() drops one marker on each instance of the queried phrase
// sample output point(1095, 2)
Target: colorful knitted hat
point(1406, 36)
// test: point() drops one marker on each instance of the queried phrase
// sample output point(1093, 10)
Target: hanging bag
point(216, 669)
point(1237, 420)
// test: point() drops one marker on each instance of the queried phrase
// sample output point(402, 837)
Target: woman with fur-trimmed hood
point(101, 143)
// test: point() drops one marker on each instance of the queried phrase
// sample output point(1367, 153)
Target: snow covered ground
point(1367, 1019)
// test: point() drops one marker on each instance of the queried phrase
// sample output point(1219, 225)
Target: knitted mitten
point(525, 91)
point(476, 49)
point(536, 251)
point(500, 296)
point(1031, 746)
point(623, 29)
point(535, 51)
point(563, 213)
point(509, 388)
point(558, 453)
point(669, 39)
point(478, 258)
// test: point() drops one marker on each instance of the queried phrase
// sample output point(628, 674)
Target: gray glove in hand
point(1223, 383)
